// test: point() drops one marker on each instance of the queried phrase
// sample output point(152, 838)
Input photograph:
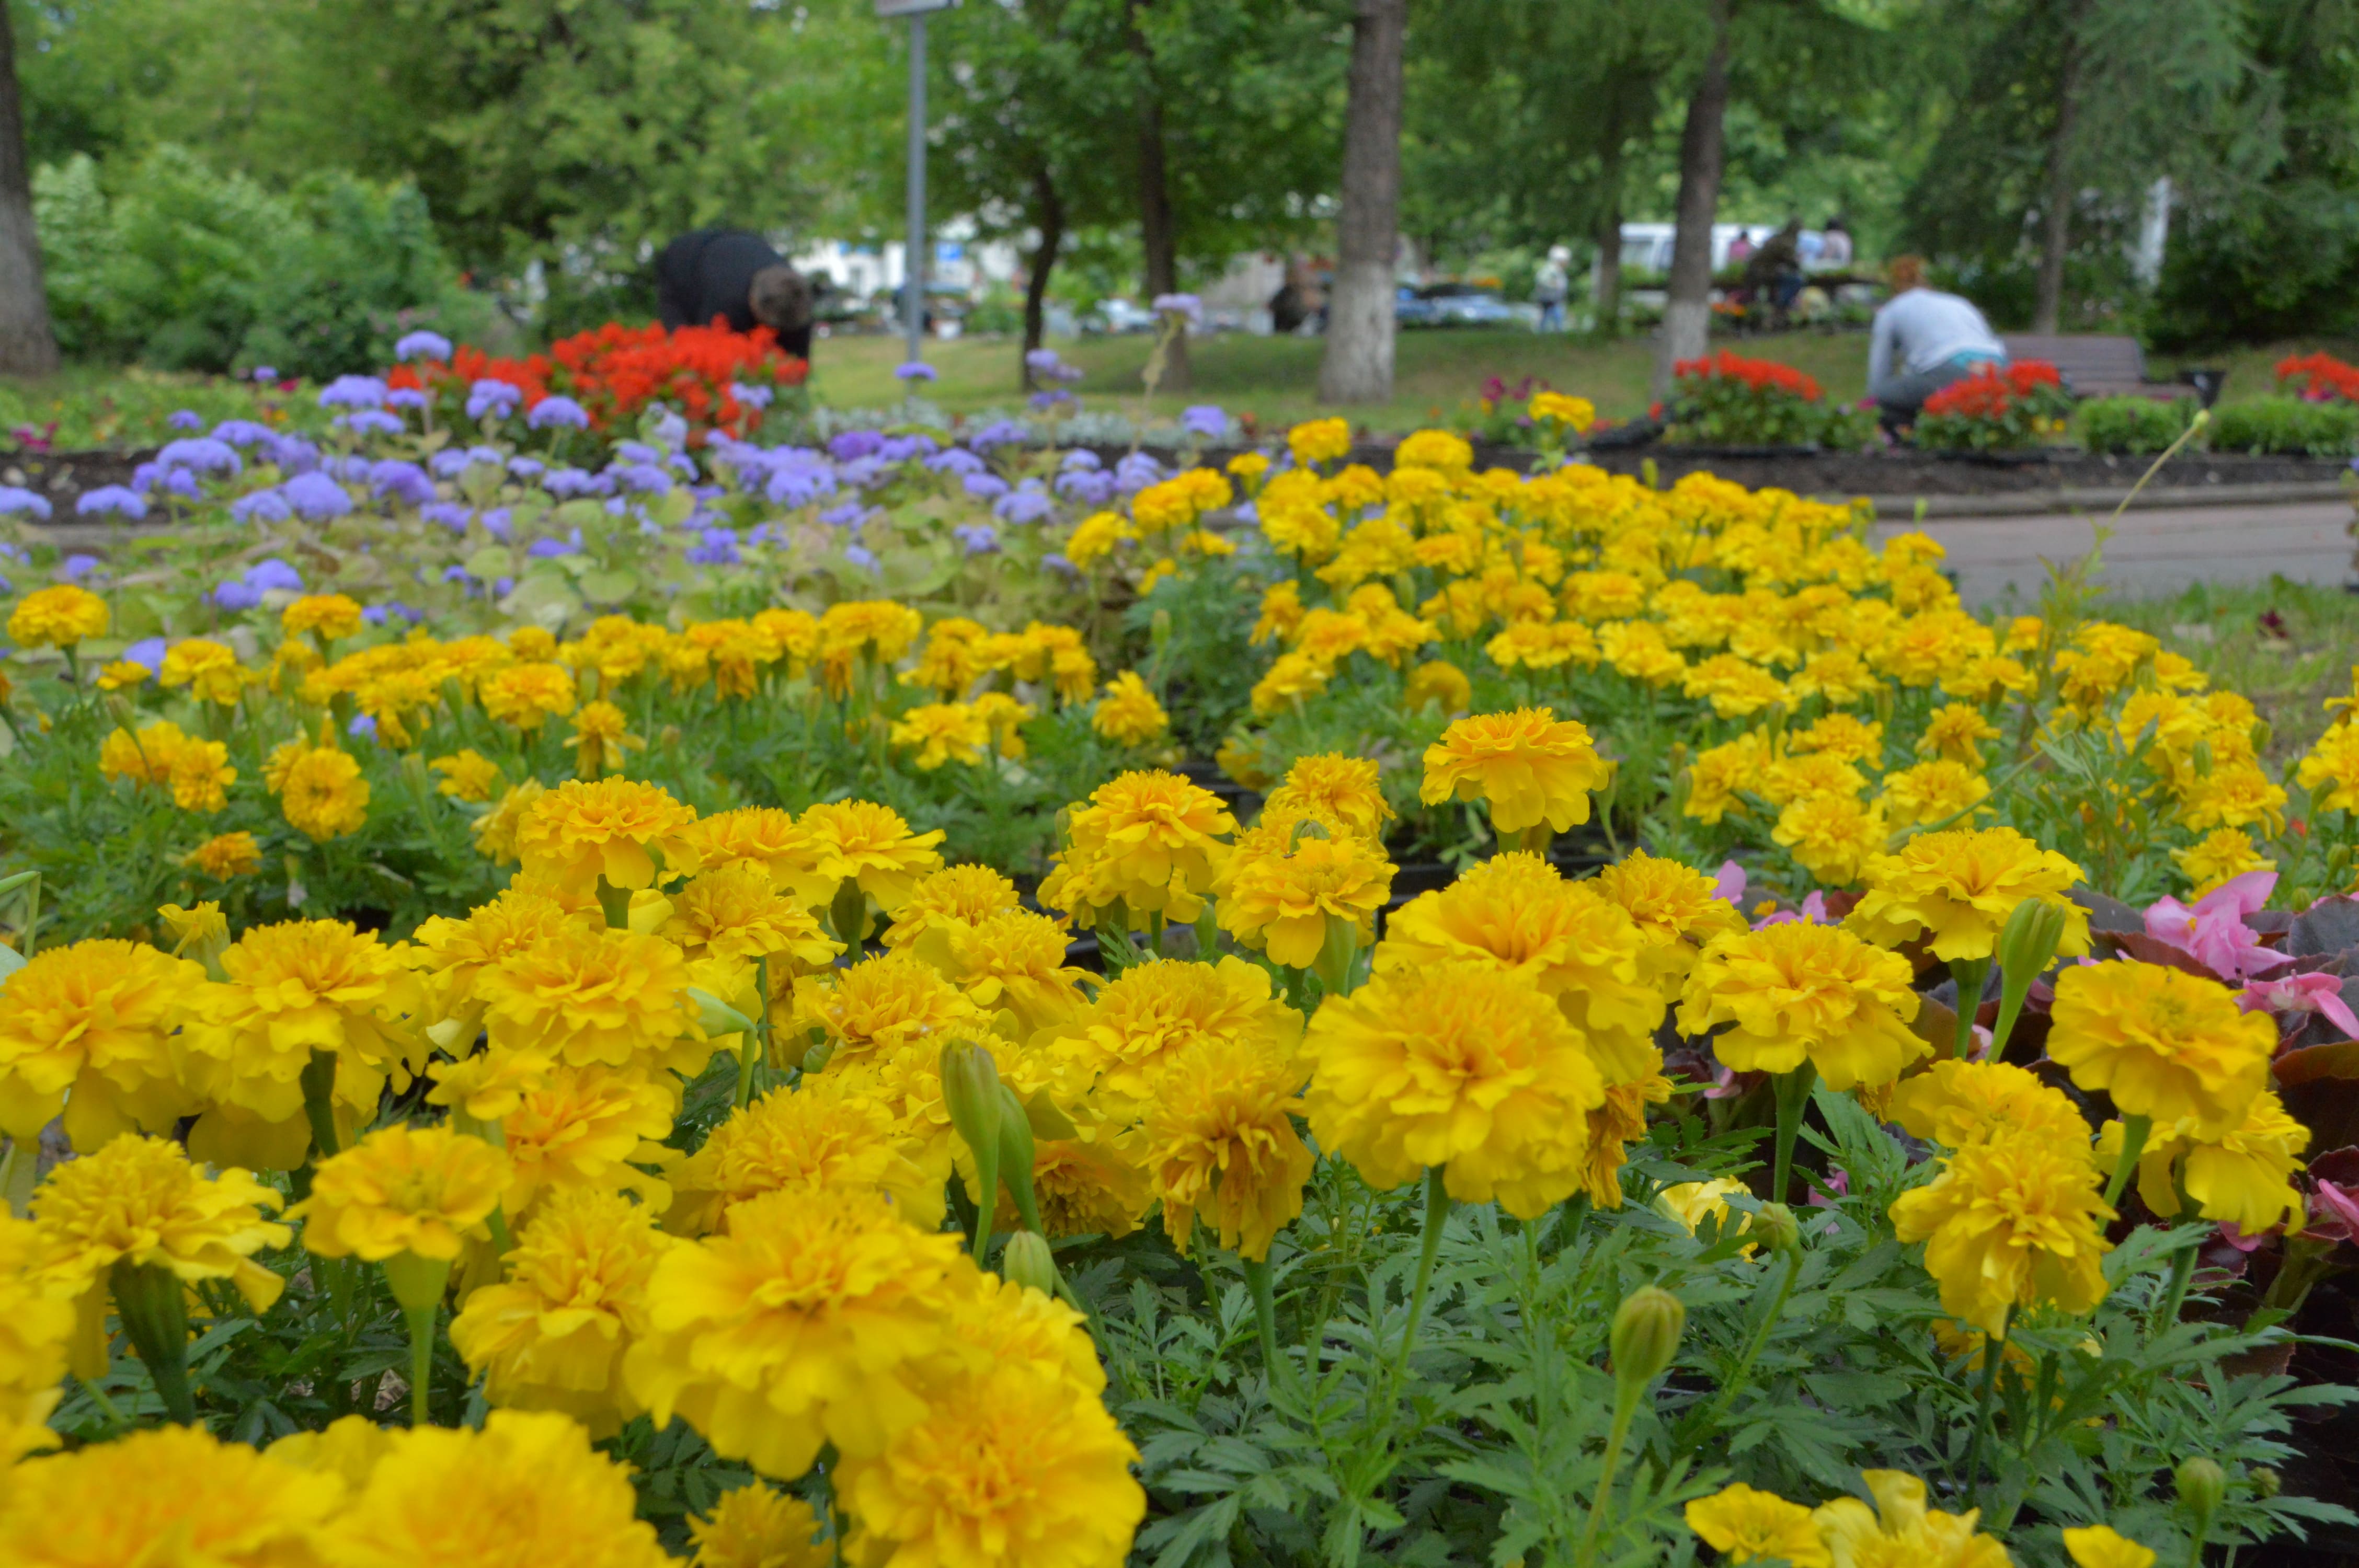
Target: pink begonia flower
point(1814, 913)
point(2300, 993)
point(2333, 1213)
point(1730, 883)
point(2214, 930)
point(2238, 1239)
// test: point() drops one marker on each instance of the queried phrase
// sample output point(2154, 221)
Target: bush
point(1995, 410)
point(2132, 424)
point(2290, 426)
point(173, 264)
point(1726, 400)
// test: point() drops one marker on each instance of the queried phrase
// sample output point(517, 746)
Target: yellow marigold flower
point(1331, 785)
point(1691, 1203)
point(602, 739)
point(36, 1328)
point(208, 668)
point(529, 1483)
point(467, 776)
point(1721, 773)
point(201, 776)
point(527, 695)
point(577, 1127)
point(552, 1333)
point(734, 915)
point(1127, 714)
point(87, 1029)
point(583, 996)
point(1291, 678)
point(1154, 1011)
point(1093, 1187)
point(1005, 718)
point(754, 1527)
point(613, 829)
point(495, 831)
point(117, 673)
point(320, 789)
point(1013, 963)
point(1956, 731)
point(332, 615)
point(1636, 649)
point(1460, 1065)
point(1843, 736)
point(1093, 538)
point(767, 839)
point(956, 895)
point(1283, 901)
point(1531, 766)
point(859, 840)
point(2100, 1546)
point(2165, 1044)
point(1955, 1103)
point(804, 1324)
point(145, 758)
point(1801, 992)
point(2330, 770)
point(2012, 1221)
point(1798, 777)
point(426, 1191)
point(2220, 856)
point(57, 617)
point(878, 627)
point(1734, 687)
point(1149, 840)
point(173, 1493)
point(1437, 450)
point(1933, 793)
point(1960, 887)
point(941, 733)
point(1614, 1126)
point(2234, 795)
point(883, 1003)
point(1900, 1530)
point(1676, 910)
point(1316, 441)
point(2242, 1177)
point(1830, 836)
point(1575, 414)
point(1744, 1525)
point(831, 1134)
point(1220, 1138)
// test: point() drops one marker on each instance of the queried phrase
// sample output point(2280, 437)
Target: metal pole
point(916, 270)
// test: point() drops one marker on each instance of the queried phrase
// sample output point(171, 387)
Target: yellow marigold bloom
point(320, 789)
point(1460, 1066)
point(2100, 1546)
point(941, 733)
point(2243, 1177)
point(1744, 1525)
point(1693, 1203)
point(1093, 538)
point(1955, 1103)
point(1332, 786)
point(1437, 450)
point(577, 1127)
point(1575, 414)
point(1014, 963)
point(201, 776)
point(583, 996)
point(1720, 774)
point(1636, 649)
point(1093, 1186)
point(2233, 795)
point(551, 1335)
point(2012, 1221)
point(804, 1324)
point(332, 615)
point(602, 739)
point(527, 1484)
point(754, 1527)
point(768, 839)
point(831, 1134)
point(1676, 910)
point(117, 673)
point(2220, 856)
point(883, 1003)
point(859, 840)
point(87, 1029)
point(37, 1326)
point(1808, 774)
point(1291, 678)
point(1281, 612)
point(1734, 687)
point(1960, 887)
point(1282, 903)
point(2165, 1044)
point(578, 833)
point(495, 831)
point(467, 776)
point(1531, 766)
point(955, 895)
point(1128, 714)
point(426, 1191)
point(1154, 1011)
point(1614, 1126)
point(57, 617)
point(208, 668)
point(1830, 836)
point(1956, 731)
point(170, 1495)
point(1220, 1139)
point(1005, 718)
point(145, 758)
point(875, 626)
point(1901, 1531)
point(734, 915)
point(1933, 793)
point(1316, 441)
point(1843, 736)
point(527, 695)
point(1150, 839)
point(1801, 992)
point(2330, 770)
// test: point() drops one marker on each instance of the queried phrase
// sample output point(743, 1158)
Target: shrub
point(1728, 400)
point(1996, 410)
point(2132, 424)
point(2290, 426)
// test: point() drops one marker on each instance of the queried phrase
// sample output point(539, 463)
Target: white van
point(1646, 247)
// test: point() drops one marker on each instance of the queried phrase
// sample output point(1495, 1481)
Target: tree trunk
point(1050, 208)
point(27, 347)
point(2056, 236)
point(1607, 293)
point(1687, 318)
point(1158, 230)
point(1358, 363)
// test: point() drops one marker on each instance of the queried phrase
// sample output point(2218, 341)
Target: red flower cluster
point(2328, 379)
point(1991, 392)
point(1758, 375)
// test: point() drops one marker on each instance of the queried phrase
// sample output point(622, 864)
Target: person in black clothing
point(734, 274)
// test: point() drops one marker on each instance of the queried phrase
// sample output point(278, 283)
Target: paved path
point(2154, 552)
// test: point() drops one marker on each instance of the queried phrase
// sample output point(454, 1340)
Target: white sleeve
point(1879, 348)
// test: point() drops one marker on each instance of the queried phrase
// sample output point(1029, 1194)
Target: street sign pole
point(913, 303)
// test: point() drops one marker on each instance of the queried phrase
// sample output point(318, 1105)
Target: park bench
point(2096, 364)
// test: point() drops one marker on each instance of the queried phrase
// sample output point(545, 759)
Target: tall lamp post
point(913, 302)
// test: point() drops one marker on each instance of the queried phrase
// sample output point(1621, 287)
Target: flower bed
point(2009, 409)
point(622, 1020)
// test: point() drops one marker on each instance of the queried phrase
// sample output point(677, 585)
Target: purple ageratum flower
point(203, 454)
point(264, 373)
point(640, 452)
point(422, 344)
point(448, 463)
point(1027, 504)
point(1185, 306)
point(640, 478)
point(405, 398)
point(848, 445)
point(147, 652)
point(242, 432)
point(567, 483)
point(235, 595)
point(526, 468)
point(316, 498)
point(671, 430)
point(956, 461)
point(502, 586)
point(450, 514)
point(980, 538)
point(370, 422)
point(362, 727)
point(262, 506)
point(497, 523)
point(901, 449)
point(75, 567)
point(998, 432)
point(843, 516)
point(18, 503)
point(184, 419)
point(1090, 487)
point(401, 480)
point(1206, 420)
point(799, 477)
point(548, 549)
point(352, 392)
point(292, 454)
point(1055, 397)
point(558, 413)
point(454, 573)
point(493, 399)
point(1063, 564)
point(378, 614)
point(352, 471)
point(984, 486)
point(1041, 362)
point(913, 371)
point(1080, 458)
point(119, 500)
point(716, 546)
point(762, 534)
point(273, 575)
point(1136, 473)
point(707, 491)
point(861, 557)
point(751, 396)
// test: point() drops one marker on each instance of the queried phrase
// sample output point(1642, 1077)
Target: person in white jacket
point(1923, 340)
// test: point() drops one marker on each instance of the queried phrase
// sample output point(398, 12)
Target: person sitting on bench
point(1923, 340)
point(734, 274)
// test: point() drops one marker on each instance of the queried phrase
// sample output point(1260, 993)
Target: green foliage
point(2138, 424)
point(2288, 425)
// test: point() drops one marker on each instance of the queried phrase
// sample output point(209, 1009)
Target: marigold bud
point(1646, 1330)
point(1777, 1224)
point(971, 1094)
point(2266, 1481)
point(2201, 1486)
point(1028, 1261)
point(2027, 942)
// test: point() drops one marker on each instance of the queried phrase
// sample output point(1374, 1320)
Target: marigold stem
point(421, 1360)
point(2134, 1134)
point(1273, 1365)
point(1793, 1090)
point(1625, 1407)
point(1971, 974)
point(1437, 1219)
point(1993, 1352)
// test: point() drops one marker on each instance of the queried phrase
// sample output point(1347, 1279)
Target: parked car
point(1411, 308)
point(1118, 316)
point(1468, 304)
